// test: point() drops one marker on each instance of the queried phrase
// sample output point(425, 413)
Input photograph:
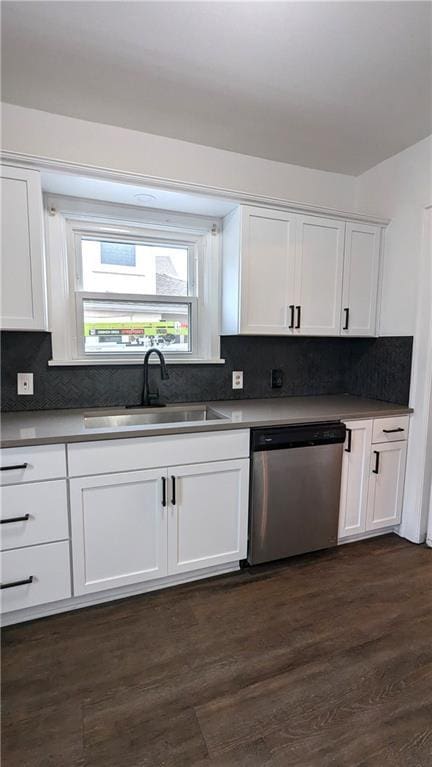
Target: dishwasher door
point(294, 501)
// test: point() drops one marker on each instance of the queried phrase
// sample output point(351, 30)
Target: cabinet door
point(267, 271)
point(318, 270)
point(22, 261)
point(386, 483)
point(360, 282)
point(355, 477)
point(208, 515)
point(119, 529)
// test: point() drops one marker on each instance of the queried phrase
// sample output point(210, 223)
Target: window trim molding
point(64, 219)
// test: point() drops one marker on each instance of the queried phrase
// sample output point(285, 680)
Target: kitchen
point(216, 434)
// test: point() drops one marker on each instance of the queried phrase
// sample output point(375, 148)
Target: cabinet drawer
point(45, 571)
point(45, 506)
point(390, 429)
point(108, 456)
point(30, 464)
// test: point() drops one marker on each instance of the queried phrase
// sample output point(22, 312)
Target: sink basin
point(152, 416)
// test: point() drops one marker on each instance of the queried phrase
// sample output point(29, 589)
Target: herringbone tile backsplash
point(378, 368)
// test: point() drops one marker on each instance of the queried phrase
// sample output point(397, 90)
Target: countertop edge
point(97, 436)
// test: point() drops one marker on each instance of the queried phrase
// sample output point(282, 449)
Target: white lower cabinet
point(143, 525)
point(386, 483)
point(355, 475)
point(207, 520)
point(35, 575)
point(119, 529)
point(373, 476)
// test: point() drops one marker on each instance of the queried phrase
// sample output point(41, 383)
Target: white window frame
point(69, 220)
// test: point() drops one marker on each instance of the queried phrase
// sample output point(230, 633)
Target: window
point(132, 287)
point(159, 274)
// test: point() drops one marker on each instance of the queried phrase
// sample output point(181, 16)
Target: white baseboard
point(76, 603)
point(411, 538)
point(365, 536)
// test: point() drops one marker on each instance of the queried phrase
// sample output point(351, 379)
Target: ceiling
point(333, 85)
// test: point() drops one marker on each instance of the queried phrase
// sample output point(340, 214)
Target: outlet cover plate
point(24, 384)
point(237, 379)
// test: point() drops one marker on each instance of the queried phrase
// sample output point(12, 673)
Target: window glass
point(117, 253)
point(125, 326)
point(122, 267)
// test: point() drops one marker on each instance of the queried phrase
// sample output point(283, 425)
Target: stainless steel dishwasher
point(296, 476)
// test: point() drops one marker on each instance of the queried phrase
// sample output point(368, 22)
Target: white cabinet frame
point(208, 514)
point(386, 485)
point(360, 280)
point(23, 257)
point(355, 477)
point(126, 533)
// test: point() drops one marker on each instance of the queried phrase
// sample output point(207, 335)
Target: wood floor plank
point(319, 661)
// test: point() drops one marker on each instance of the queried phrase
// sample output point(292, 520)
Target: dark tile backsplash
point(378, 368)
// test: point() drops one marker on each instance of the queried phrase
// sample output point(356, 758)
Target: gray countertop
point(50, 426)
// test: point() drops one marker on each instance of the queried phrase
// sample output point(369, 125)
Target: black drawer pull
point(12, 584)
point(8, 520)
point(348, 447)
point(291, 308)
point(393, 431)
point(163, 491)
point(174, 494)
point(377, 457)
point(346, 326)
point(298, 317)
point(12, 468)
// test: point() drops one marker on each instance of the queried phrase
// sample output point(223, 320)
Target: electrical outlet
point(25, 383)
point(276, 378)
point(237, 379)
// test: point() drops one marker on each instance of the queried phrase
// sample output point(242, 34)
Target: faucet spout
point(152, 398)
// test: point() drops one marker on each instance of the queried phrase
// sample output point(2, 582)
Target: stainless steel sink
point(152, 416)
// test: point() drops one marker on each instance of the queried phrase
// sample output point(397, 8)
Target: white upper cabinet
point(360, 281)
point(318, 276)
point(23, 304)
point(258, 271)
point(289, 274)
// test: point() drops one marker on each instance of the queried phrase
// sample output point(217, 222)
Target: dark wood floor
point(322, 660)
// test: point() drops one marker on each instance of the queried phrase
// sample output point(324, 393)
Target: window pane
point(118, 254)
point(124, 267)
point(111, 327)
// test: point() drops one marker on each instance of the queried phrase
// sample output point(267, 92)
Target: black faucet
point(152, 398)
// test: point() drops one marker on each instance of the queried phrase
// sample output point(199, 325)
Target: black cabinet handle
point(346, 326)
point(393, 431)
point(298, 317)
point(16, 466)
point(163, 491)
point(12, 584)
point(8, 520)
point(174, 494)
point(291, 308)
point(377, 457)
point(348, 447)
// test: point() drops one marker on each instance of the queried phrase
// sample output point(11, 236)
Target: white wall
point(30, 131)
point(400, 188)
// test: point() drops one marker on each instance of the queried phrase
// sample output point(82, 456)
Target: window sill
point(109, 361)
